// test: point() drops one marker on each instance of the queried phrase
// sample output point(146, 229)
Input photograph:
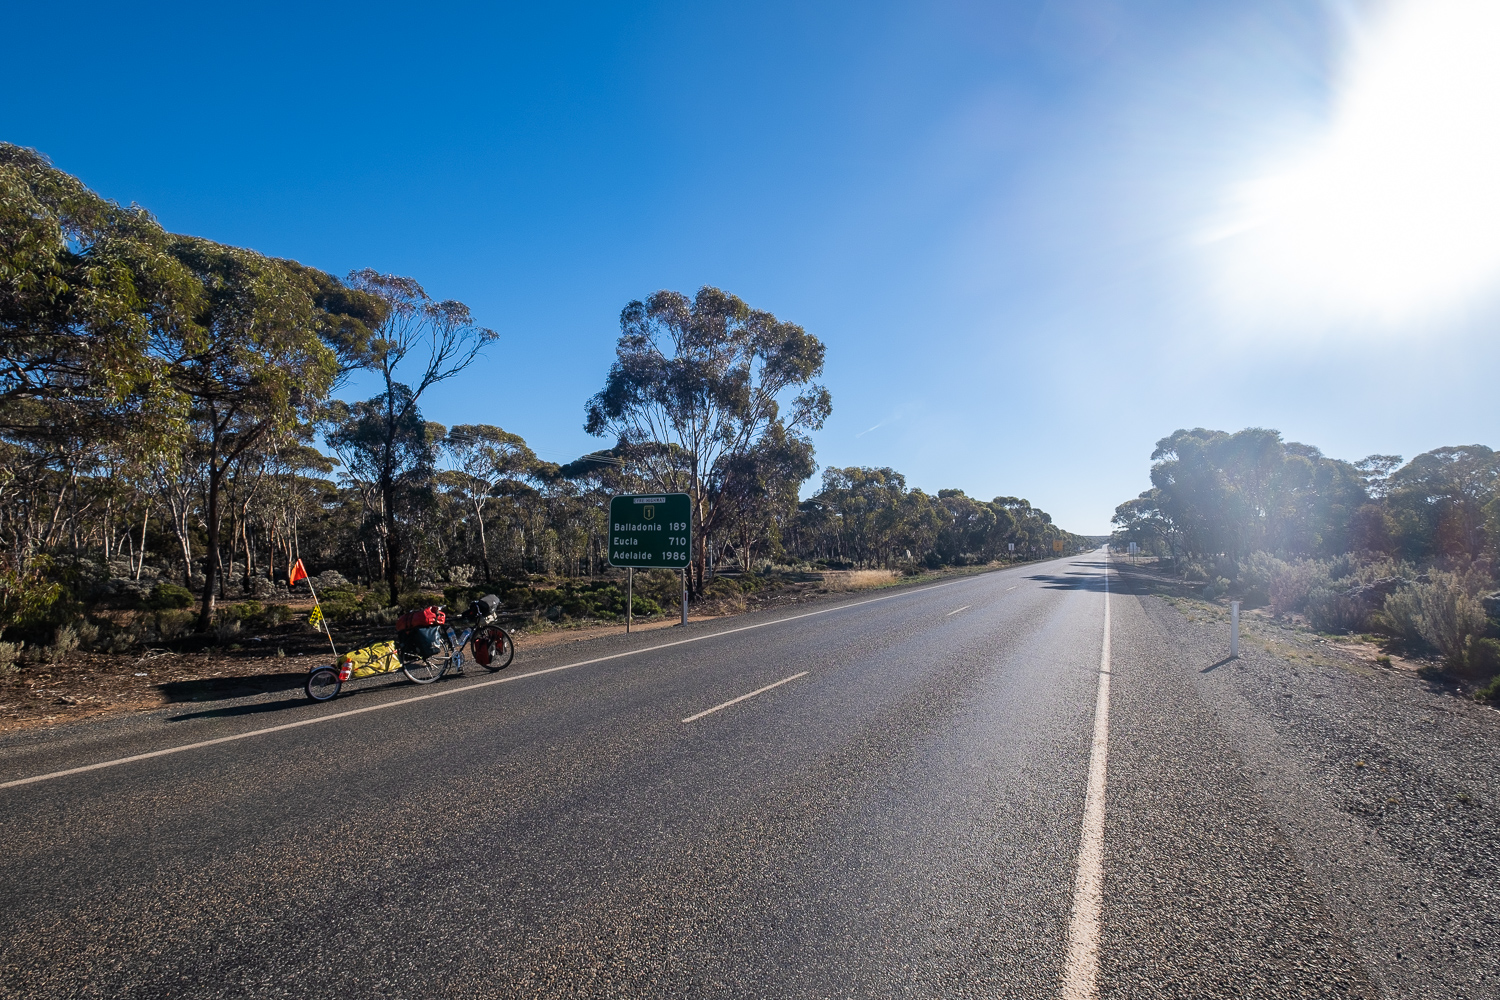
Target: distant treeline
point(1216, 493)
point(1408, 549)
point(171, 432)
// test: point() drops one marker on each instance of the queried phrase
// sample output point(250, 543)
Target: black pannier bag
point(484, 607)
point(421, 642)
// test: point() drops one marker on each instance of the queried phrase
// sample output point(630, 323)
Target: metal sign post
point(650, 531)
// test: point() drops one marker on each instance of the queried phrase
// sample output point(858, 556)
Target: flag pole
point(322, 619)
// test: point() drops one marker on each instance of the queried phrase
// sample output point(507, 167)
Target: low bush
point(64, 641)
point(1289, 588)
point(1489, 693)
point(1439, 613)
point(167, 595)
point(644, 607)
point(242, 612)
point(1483, 659)
point(171, 624)
point(1332, 610)
point(30, 603)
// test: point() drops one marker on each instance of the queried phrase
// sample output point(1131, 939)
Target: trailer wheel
point(323, 684)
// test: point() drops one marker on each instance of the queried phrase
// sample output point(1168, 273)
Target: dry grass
point(857, 579)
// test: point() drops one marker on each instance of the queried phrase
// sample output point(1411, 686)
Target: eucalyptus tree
point(695, 385)
point(254, 361)
point(1440, 501)
point(486, 461)
point(88, 290)
point(760, 494)
point(440, 339)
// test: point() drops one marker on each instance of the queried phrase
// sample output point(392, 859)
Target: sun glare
point(1393, 214)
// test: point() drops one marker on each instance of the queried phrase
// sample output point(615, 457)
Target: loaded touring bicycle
point(425, 648)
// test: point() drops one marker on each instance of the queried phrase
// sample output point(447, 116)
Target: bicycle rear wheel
point(423, 671)
point(502, 648)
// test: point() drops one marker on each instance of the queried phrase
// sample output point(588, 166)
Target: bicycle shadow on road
point(279, 705)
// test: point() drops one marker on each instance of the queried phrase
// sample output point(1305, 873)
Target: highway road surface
point(1028, 783)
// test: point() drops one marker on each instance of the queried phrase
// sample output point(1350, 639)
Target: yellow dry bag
point(377, 659)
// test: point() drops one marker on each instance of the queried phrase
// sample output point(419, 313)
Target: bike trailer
point(377, 659)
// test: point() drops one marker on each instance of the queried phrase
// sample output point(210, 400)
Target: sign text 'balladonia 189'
point(652, 531)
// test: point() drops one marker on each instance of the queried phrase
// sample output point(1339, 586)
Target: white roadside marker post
point(1234, 630)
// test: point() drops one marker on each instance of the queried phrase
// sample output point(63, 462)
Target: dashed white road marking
point(736, 701)
point(452, 691)
point(1009, 589)
point(1081, 967)
point(955, 611)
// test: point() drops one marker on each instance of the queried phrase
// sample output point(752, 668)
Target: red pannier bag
point(425, 618)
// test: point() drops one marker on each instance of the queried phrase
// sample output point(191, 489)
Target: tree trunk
point(392, 549)
point(484, 545)
point(141, 558)
point(211, 572)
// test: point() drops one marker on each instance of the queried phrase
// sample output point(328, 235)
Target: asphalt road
point(901, 817)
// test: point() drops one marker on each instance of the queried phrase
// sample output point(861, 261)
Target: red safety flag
point(298, 573)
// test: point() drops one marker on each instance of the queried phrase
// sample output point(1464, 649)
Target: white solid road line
point(736, 701)
point(955, 611)
point(452, 691)
point(1081, 967)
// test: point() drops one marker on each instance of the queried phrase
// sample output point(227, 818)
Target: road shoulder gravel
point(1382, 788)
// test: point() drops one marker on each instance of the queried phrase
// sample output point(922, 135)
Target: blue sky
point(1021, 228)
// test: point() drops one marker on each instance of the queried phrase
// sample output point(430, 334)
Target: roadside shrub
point(645, 607)
point(227, 632)
point(124, 641)
point(64, 641)
point(10, 654)
point(277, 614)
point(1483, 659)
point(1290, 587)
point(241, 612)
point(29, 601)
point(171, 624)
point(381, 616)
point(1439, 613)
point(1489, 693)
point(1256, 574)
point(88, 634)
point(1331, 610)
point(664, 586)
point(165, 596)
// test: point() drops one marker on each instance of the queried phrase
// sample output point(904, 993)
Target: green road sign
point(651, 531)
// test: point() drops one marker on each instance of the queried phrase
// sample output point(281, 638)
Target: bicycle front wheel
point(502, 648)
point(424, 671)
